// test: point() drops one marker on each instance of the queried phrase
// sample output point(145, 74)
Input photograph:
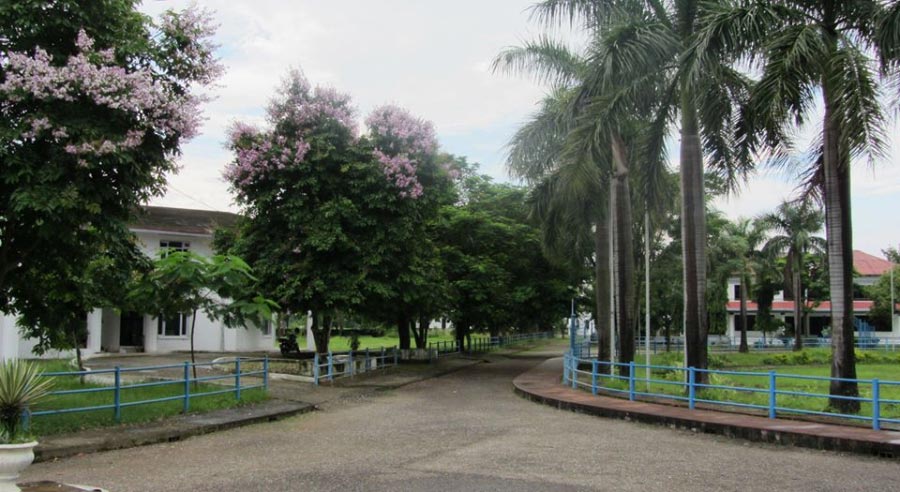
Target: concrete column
point(94, 331)
point(150, 335)
point(9, 337)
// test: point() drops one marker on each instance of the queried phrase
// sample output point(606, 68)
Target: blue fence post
point(396, 355)
point(237, 378)
point(594, 371)
point(186, 404)
point(631, 380)
point(772, 394)
point(117, 395)
point(876, 405)
point(574, 372)
point(330, 366)
point(692, 389)
point(316, 369)
point(266, 373)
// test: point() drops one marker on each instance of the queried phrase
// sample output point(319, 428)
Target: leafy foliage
point(21, 386)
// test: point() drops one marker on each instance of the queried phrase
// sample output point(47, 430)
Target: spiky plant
point(21, 386)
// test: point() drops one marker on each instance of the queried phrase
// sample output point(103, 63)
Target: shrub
point(21, 385)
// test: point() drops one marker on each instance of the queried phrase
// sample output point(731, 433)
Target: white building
point(109, 330)
point(870, 268)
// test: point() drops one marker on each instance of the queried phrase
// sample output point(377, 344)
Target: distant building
point(870, 268)
point(109, 330)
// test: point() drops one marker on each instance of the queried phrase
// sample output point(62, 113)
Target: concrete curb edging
point(174, 430)
point(542, 384)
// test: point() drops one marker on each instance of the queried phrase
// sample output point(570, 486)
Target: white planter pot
point(13, 459)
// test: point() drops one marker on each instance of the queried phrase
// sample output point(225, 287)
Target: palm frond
point(855, 102)
point(545, 59)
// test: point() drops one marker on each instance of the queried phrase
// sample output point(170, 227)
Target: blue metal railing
point(772, 344)
point(237, 382)
point(330, 367)
point(622, 379)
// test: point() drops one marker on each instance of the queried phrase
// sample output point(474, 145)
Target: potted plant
point(21, 385)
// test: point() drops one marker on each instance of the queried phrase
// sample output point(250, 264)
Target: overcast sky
point(432, 58)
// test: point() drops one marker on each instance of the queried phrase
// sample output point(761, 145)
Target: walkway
point(465, 431)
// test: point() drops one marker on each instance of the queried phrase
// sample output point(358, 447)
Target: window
point(166, 245)
point(175, 326)
point(737, 291)
point(267, 328)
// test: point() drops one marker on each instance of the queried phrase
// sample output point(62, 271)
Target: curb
point(171, 430)
point(541, 386)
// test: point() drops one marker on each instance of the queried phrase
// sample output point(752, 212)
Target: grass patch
point(44, 425)
point(342, 344)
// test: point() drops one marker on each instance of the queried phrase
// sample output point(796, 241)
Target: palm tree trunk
point(601, 287)
point(624, 255)
point(839, 240)
point(693, 236)
point(799, 304)
point(744, 347)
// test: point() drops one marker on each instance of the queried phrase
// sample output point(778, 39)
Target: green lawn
point(71, 422)
point(885, 366)
point(342, 344)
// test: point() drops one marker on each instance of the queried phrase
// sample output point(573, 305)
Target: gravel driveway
point(465, 431)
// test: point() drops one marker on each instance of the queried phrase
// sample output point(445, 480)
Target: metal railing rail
point(236, 383)
point(331, 366)
point(479, 344)
point(623, 379)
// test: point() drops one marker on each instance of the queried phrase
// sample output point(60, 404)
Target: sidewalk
point(542, 384)
point(288, 399)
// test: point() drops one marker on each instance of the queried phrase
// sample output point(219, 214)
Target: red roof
point(868, 265)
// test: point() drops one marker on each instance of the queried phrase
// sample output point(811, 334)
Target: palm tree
point(795, 224)
point(600, 129)
point(742, 244)
point(806, 48)
point(652, 42)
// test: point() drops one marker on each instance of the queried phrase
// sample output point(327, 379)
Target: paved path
point(465, 431)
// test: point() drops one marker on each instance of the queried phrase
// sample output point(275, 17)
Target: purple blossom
point(139, 93)
point(402, 129)
point(400, 170)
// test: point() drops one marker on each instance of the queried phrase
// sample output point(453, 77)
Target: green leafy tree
point(741, 254)
point(95, 102)
point(221, 287)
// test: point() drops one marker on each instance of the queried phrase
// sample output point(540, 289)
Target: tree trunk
point(193, 360)
point(624, 255)
point(424, 321)
point(321, 333)
point(601, 288)
point(693, 238)
point(403, 331)
point(799, 304)
point(839, 239)
point(744, 347)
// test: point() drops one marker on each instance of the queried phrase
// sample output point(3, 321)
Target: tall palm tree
point(602, 127)
point(795, 224)
point(652, 41)
point(805, 49)
point(742, 242)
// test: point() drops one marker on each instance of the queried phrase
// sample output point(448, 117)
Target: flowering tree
point(406, 149)
point(315, 203)
point(95, 102)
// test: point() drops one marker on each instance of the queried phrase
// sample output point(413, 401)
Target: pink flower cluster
point(401, 171)
point(147, 99)
point(398, 135)
point(190, 34)
point(412, 134)
point(258, 154)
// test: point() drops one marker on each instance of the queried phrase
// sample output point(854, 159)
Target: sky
point(432, 58)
